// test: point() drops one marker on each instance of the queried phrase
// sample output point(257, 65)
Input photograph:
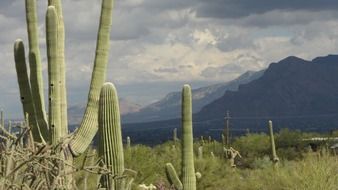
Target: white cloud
point(204, 37)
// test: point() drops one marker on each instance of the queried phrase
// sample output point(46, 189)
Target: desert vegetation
point(40, 153)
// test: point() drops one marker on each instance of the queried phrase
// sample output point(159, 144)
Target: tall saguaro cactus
point(188, 169)
point(61, 63)
point(110, 138)
point(31, 92)
point(275, 158)
point(56, 126)
point(188, 179)
point(53, 76)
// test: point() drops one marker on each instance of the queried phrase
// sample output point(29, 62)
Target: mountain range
point(294, 93)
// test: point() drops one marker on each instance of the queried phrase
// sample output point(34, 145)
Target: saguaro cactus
point(56, 68)
point(25, 90)
point(175, 139)
point(128, 143)
point(188, 169)
point(36, 81)
point(110, 138)
point(55, 130)
point(275, 158)
point(53, 76)
point(188, 179)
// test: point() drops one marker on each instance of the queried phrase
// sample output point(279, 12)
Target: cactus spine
point(111, 146)
point(275, 158)
point(187, 165)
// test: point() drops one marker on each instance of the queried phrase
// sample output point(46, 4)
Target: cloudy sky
point(158, 45)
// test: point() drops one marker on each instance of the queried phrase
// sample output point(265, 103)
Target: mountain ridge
point(294, 93)
point(169, 106)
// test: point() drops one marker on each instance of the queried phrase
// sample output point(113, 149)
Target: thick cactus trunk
point(188, 179)
point(88, 127)
point(110, 138)
point(188, 169)
point(53, 76)
point(61, 61)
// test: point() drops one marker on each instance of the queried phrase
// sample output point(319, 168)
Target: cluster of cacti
point(31, 91)
point(55, 130)
point(188, 180)
point(275, 158)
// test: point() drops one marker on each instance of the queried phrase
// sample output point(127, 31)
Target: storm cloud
point(244, 8)
point(172, 41)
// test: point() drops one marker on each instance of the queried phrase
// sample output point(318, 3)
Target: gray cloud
point(172, 41)
point(166, 70)
point(244, 8)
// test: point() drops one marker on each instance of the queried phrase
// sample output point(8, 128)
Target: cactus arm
point(36, 79)
point(198, 175)
point(129, 184)
point(25, 90)
point(88, 127)
point(173, 177)
point(110, 137)
point(188, 170)
point(61, 50)
point(272, 140)
point(130, 176)
point(53, 75)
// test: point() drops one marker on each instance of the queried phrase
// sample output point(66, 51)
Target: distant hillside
point(291, 87)
point(294, 93)
point(169, 106)
point(75, 113)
